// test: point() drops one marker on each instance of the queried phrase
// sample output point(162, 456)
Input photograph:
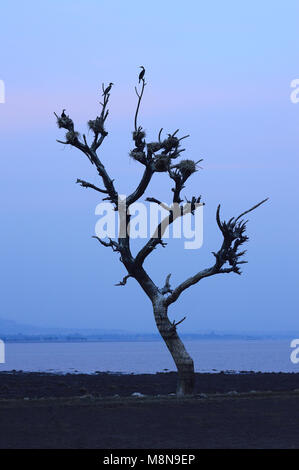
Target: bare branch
point(189, 282)
point(147, 249)
point(85, 184)
point(97, 125)
point(160, 132)
point(85, 141)
point(175, 211)
point(72, 138)
point(139, 101)
point(218, 217)
point(175, 324)
point(156, 239)
point(114, 245)
point(124, 281)
point(141, 188)
point(252, 208)
point(156, 201)
point(166, 289)
point(184, 137)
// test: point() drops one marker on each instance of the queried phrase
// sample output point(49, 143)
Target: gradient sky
point(220, 71)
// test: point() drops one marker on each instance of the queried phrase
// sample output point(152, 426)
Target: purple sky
point(219, 71)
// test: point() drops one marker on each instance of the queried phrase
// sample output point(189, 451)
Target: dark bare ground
point(260, 420)
point(36, 385)
point(234, 422)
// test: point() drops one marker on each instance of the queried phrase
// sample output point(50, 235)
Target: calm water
point(149, 357)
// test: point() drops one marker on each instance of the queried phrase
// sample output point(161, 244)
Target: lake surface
point(149, 357)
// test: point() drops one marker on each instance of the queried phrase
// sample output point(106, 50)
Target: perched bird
point(63, 115)
point(141, 75)
point(107, 90)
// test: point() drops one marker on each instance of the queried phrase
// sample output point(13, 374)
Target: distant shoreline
point(136, 338)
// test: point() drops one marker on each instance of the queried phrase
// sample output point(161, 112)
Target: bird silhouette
point(141, 75)
point(107, 90)
point(63, 115)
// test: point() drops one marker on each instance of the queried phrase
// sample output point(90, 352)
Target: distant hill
point(10, 327)
point(11, 331)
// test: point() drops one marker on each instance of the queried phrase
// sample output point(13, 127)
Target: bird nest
point(187, 165)
point(64, 122)
point(139, 134)
point(72, 136)
point(161, 163)
point(96, 125)
point(170, 143)
point(154, 146)
point(186, 168)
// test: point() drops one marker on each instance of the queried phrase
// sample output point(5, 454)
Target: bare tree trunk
point(183, 361)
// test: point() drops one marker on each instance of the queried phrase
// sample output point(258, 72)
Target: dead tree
point(156, 157)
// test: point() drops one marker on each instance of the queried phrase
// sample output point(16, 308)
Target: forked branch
point(73, 138)
point(114, 245)
point(233, 237)
point(175, 211)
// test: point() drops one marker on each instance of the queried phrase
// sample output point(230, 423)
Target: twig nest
point(72, 136)
point(170, 143)
point(154, 146)
point(96, 125)
point(161, 163)
point(139, 134)
point(138, 137)
point(186, 167)
point(65, 122)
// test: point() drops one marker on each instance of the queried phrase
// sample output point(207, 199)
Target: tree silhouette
point(157, 157)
